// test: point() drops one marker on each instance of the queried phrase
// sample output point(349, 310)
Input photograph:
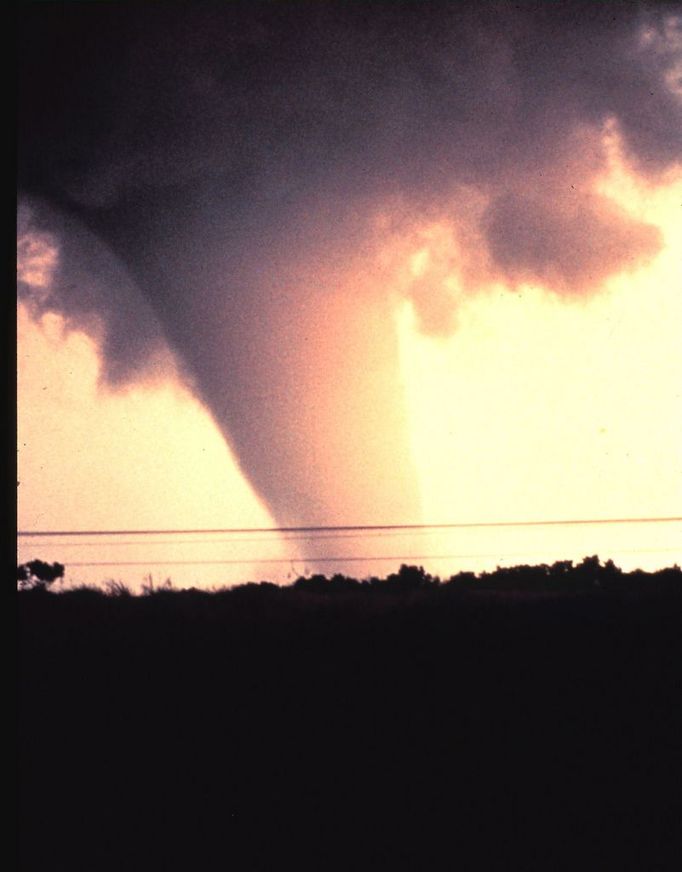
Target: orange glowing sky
point(536, 407)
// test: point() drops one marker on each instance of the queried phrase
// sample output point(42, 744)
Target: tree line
point(590, 575)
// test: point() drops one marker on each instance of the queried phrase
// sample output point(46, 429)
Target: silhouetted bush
point(117, 588)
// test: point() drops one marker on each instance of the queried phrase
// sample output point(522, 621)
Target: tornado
point(246, 184)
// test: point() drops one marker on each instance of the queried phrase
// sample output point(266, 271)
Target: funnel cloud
point(223, 180)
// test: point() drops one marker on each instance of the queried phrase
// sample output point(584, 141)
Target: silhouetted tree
point(462, 580)
point(409, 578)
point(312, 584)
point(321, 584)
point(586, 574)
point(36, 574)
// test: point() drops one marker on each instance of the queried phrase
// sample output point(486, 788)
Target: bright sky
point(146, 458)
point(542, 407)
point(535, 408)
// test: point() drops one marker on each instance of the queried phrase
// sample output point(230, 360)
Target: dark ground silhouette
point(527, 719)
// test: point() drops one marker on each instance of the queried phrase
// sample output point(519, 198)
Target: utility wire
point(108, 543)
point(349, 527)
point(292, 560)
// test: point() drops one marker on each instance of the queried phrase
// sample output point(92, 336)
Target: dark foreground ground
point(437, 727)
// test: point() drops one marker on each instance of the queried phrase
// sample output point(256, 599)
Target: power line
point(349, 527)
point(379, 534)
point(292, 560)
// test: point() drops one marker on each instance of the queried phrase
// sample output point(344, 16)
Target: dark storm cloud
point(564, 246)
point(89, 286)
point(229, 159)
